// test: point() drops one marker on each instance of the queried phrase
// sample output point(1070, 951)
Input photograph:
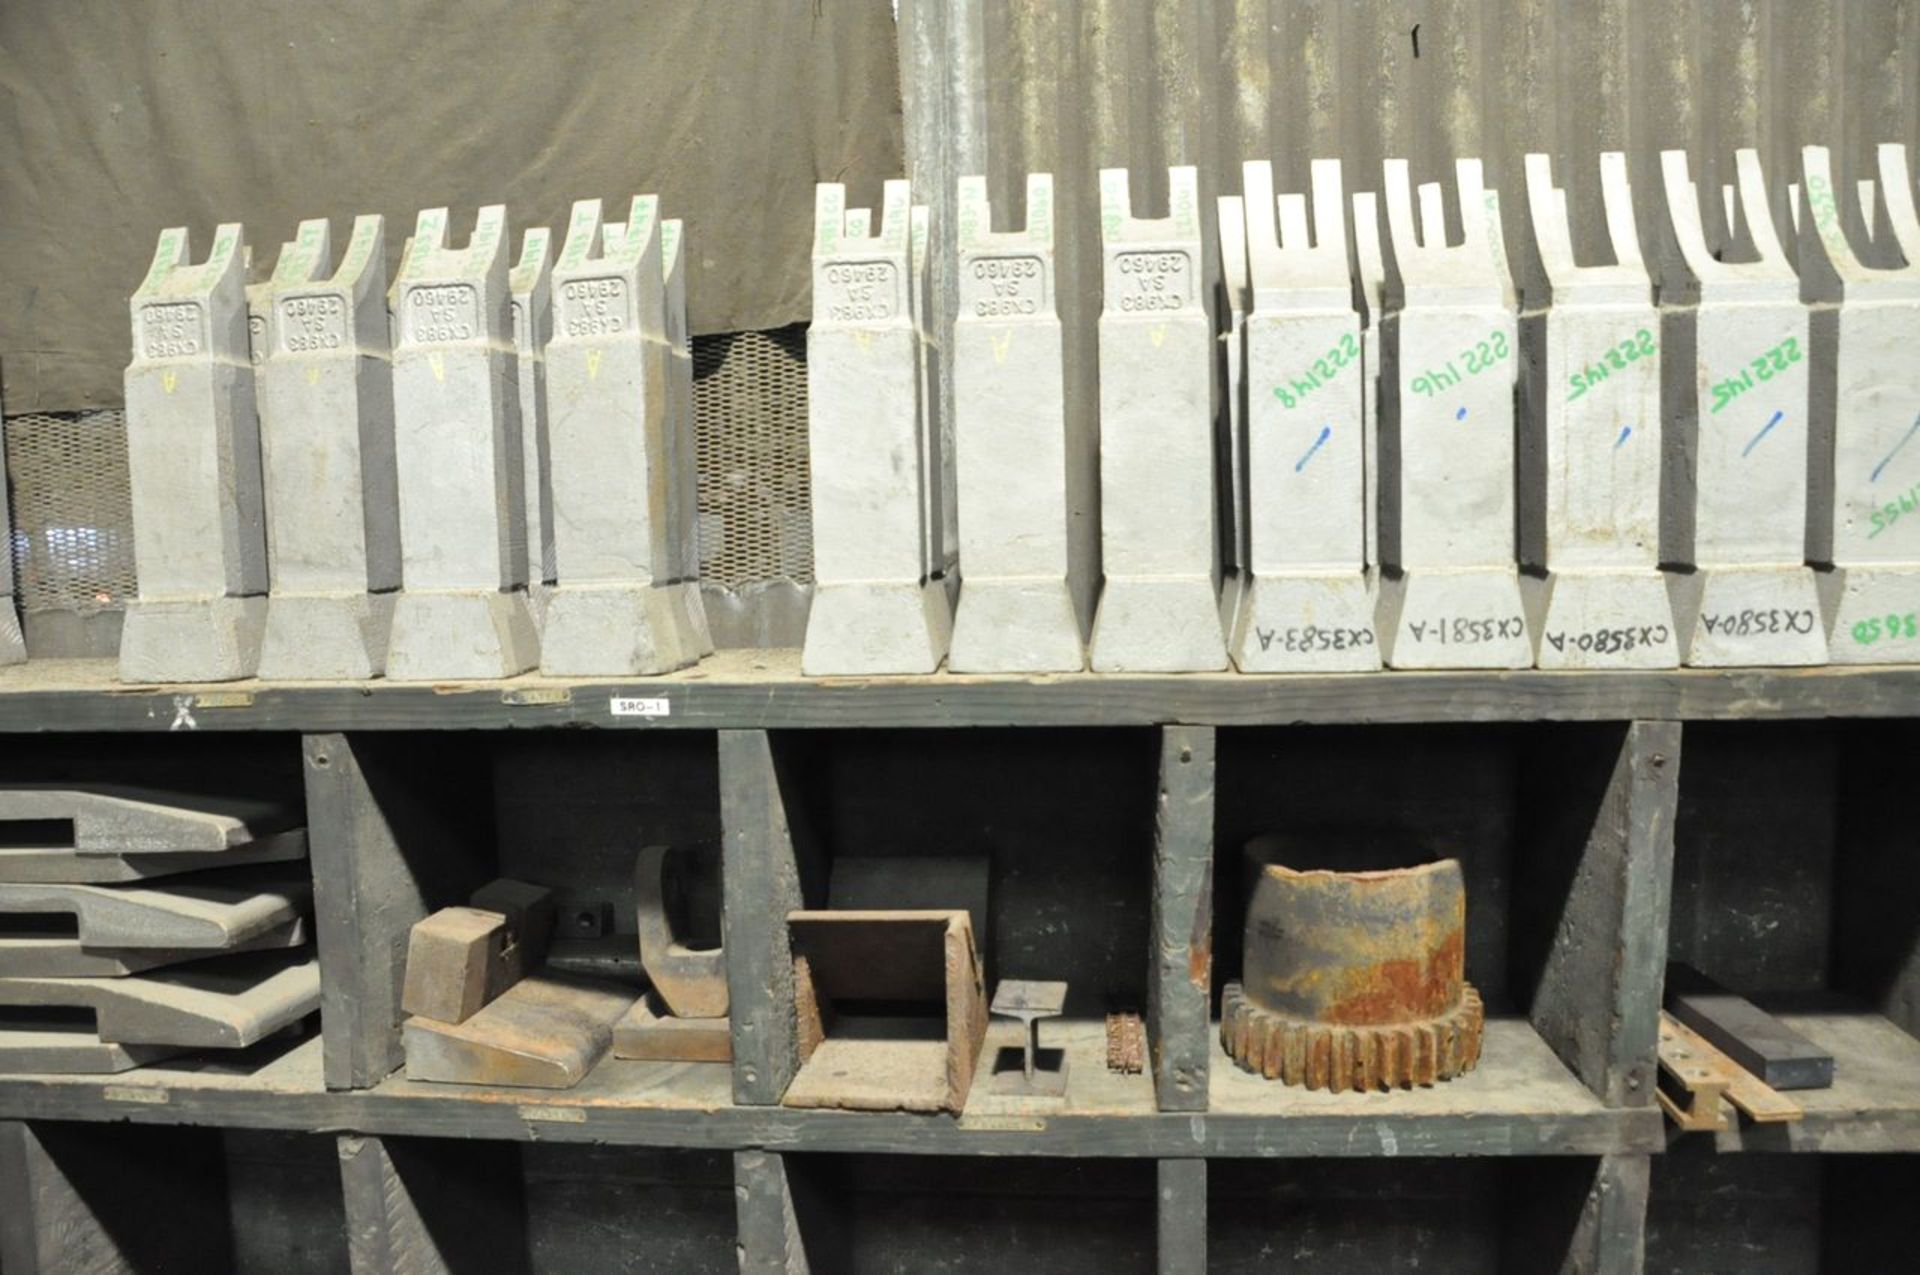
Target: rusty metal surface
point(848, 963)
point(544, 1032)
point(449, 956)
point(1693, 1070)
point(649, 1033)
point(1126, 1044)
point(1354, 980)
point(693, 983)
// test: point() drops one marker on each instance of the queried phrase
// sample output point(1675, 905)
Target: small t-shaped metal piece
point(1029, 1001)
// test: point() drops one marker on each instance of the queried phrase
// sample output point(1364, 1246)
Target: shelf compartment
point(1516, 1215)
point(1563, 833)
point(446, 1205)
point(1791, 848)
point(1785, 1214)
point(152, 1200)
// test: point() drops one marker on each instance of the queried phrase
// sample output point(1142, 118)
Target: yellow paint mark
point(863, 337)
point(1002, 341)
point(1159, 334)
point(168, 380)
point(313, 375)
point(439, 366)
point(593, 365)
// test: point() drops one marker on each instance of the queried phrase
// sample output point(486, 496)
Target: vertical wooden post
point(1182, 1195)
point(765, 869)
point(1610, 1237)
point(1598, 999)
point(411, 1213)
point(770, 1241)
point(1180, 979)
point(381, 861)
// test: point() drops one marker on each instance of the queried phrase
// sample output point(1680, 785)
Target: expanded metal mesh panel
point(750, 416)
point(73, 520)
point(72, 513)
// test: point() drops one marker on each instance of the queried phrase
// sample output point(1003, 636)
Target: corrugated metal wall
point(1071, 86)
point(1075, 85)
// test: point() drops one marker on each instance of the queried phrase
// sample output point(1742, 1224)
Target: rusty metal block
point(544, 1032)
point(1354, 980)
point(454, 963)
point(648, 1032)
point(859, 972)
point(692, 983)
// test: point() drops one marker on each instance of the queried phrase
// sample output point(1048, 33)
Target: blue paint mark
point(1626, 432)
point(1764, 431)
point(1326, 432)
point(1460, 415)
point(1904, 440)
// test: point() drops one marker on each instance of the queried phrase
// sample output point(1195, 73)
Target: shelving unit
point(1750, 822)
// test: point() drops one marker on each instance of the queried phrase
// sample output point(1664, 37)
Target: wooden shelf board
point(1522, 1104)
point(764, 690)
point(1872, 1106)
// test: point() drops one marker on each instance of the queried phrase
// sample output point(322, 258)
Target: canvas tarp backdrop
point(122, 118)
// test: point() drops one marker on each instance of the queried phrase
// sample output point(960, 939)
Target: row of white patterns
point(481, 470)
point(1629, 464)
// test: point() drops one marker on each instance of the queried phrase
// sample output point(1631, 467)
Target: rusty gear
point(1354, 980)
point(1336, 1057)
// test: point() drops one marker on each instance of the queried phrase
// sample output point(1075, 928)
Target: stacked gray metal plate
point(136, 924)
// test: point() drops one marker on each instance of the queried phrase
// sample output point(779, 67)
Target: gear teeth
point(1339, 1058)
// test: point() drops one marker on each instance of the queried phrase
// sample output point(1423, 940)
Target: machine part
point(227, 1003)
point(116, 819)
point(1691, 1068)
point(1030, 1070)
point(892, 1010)
point(1749, 1036)
point(649, 1032)
point(68, 957)
point(1354, 980)
point(1126, 1044)
point(691, 983)
point(544, 1032)
point(37, 864)
point(528, 912)
point(453, 964)
point(609, 956)
point(203, 917)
